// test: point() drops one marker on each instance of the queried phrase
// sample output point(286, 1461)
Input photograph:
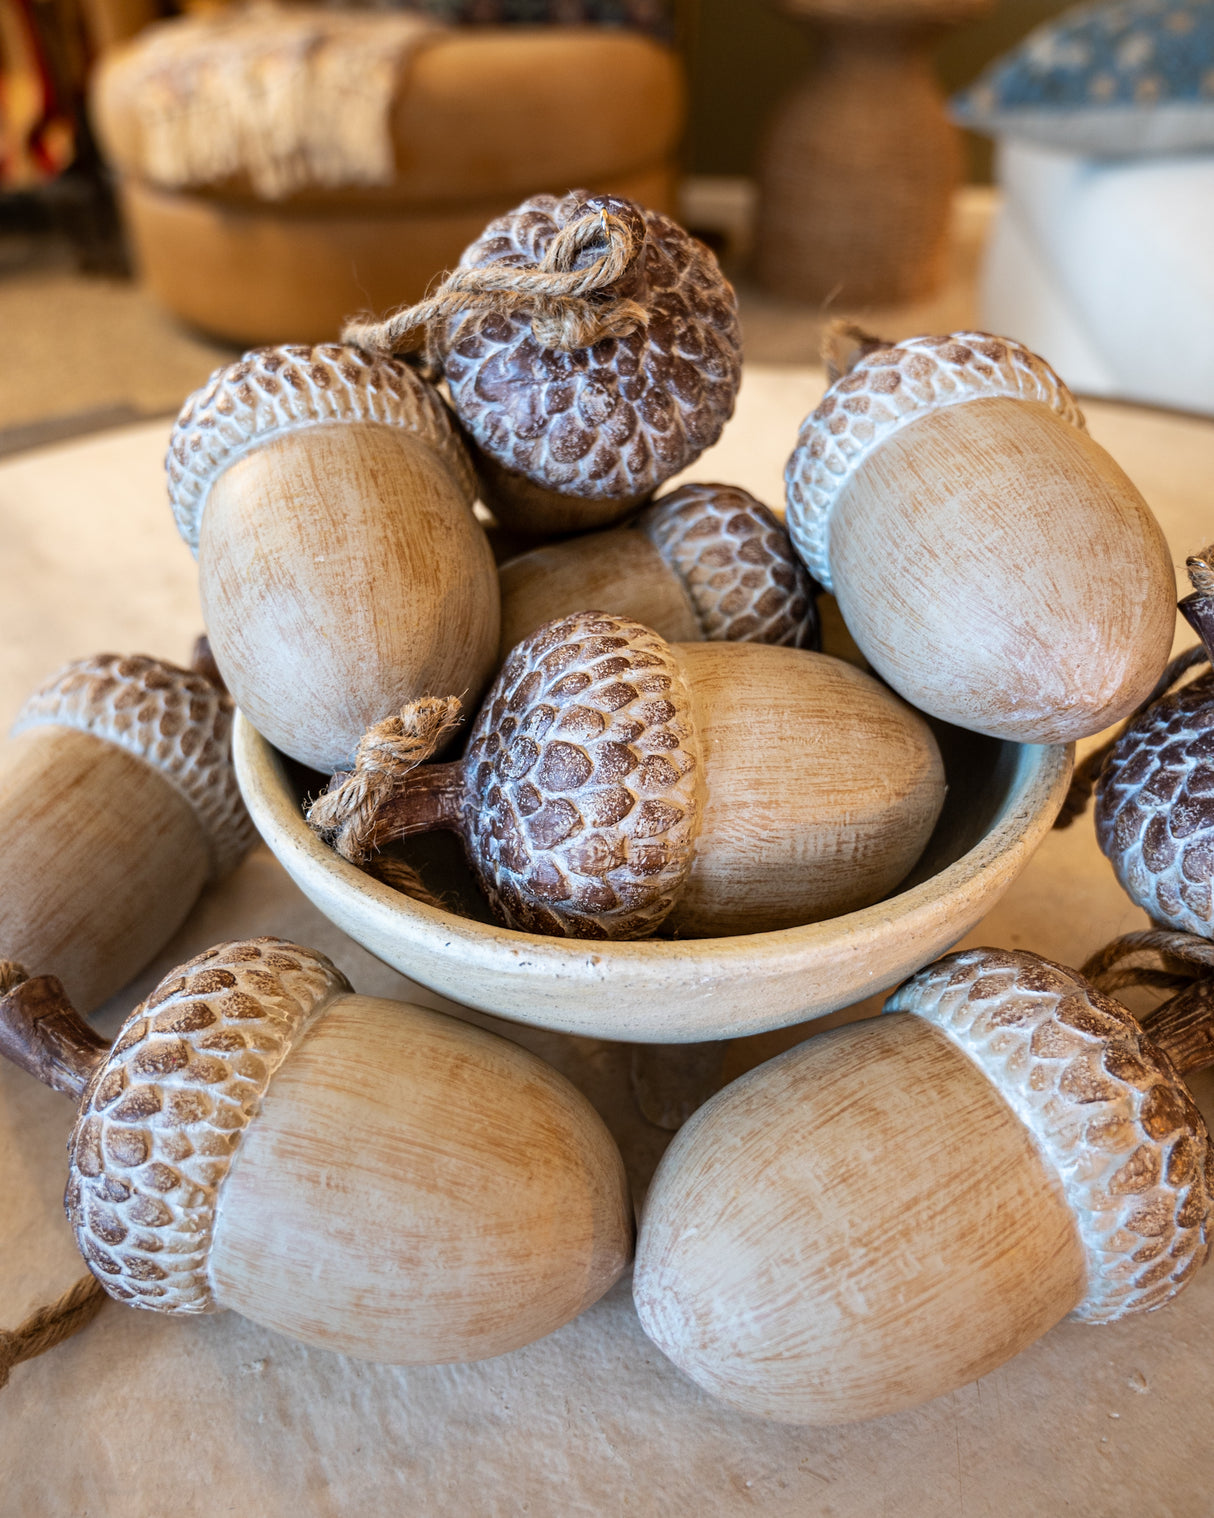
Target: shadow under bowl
point(1002, 800)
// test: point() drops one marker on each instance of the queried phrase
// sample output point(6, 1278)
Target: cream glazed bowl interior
point(1002, 800)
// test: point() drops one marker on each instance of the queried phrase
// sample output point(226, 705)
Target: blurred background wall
point(742, 54)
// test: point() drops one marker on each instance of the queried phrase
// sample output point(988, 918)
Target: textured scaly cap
point(163, 1116)
point(617, 419)
point(275, 390)
point(175, 720)
point(887, 388)
point(1155, 808)
point(737, 565)
point(1105, 1106)
point(582, 777)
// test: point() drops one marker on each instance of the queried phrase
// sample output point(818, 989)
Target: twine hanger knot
point(570, 307)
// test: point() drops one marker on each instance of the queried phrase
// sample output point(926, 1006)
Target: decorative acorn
point(362, 1175)
point(1155, 794)
point(592, 350)
point(341, 569)
point(614, 782)
point(896, 1207)
point(122, 802)
point(705, 562)
point(992, 562)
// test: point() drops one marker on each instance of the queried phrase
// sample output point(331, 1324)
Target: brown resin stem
point(1183, 1027)
point(42, 1032)
point(432, 797)
point(202, 662)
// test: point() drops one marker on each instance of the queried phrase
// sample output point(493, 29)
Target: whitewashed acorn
point(122, 803)
point(704, 562)
point(341, 569)
point(894, 1208)
point(360, 1174)
point(992, 562)
point(614, 783)
point(1155, 792)
point(592, 350)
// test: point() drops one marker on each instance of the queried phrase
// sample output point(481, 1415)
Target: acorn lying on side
point(341, 569)
point(704, 562)
point(592, 351)
point(614, 782)
point(992, 562)
point(896, 1207)
point(359, 1174)
point(121, 804)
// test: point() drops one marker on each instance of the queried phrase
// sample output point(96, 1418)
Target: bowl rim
point(540, 981)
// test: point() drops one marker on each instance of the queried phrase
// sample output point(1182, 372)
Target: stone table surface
point(146, 1416)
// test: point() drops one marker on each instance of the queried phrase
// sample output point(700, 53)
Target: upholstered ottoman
point(475, 120)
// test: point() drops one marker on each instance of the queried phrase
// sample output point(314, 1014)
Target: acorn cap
point(582, 776)
point(736, 564)
point(270, 391)
point(161, 1120)
point(176, 720)
point(1155, 808)
point(617, 419)
point(1104, 1105)
point(888, 387)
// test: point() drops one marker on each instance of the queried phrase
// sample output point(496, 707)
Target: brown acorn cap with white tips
point(1155, 793)
point(293, 473)
point(261, 1138)
point(991, 561)
point(703, 562)
point(614, 782)
point(592, 351)
point(737, 563)
point(1050, 1161)
point(123, 803)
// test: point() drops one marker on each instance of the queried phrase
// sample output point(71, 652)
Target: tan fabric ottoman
point(479, 120)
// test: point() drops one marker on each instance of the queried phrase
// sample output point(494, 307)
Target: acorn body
point(377, 596)
point(121, 802)
point(450, 1178)
point(992, 562)
point(820, 789)
point(613, 782)
point(704, 562)
point(793, 1271)
point(365, 1176)
point(102, 859)
point(620, 569)
point(896, 1207)
point(341, 569)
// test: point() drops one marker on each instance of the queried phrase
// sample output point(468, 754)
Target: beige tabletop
point(150, 1417)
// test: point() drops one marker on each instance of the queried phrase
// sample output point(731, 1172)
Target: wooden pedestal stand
point(860, 162)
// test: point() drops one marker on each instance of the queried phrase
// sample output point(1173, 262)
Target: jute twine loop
point(1087, 774)
point(347, 814)
point(47, 1326)
point(570, 307)
point(1172, 960)
point(11, 975)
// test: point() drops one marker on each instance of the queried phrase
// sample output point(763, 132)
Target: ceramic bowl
point(1002, 800)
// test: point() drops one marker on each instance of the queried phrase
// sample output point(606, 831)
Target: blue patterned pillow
point(1117, 80)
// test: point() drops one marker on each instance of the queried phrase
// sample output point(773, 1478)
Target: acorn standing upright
point(121, 803)
point(341, 569)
